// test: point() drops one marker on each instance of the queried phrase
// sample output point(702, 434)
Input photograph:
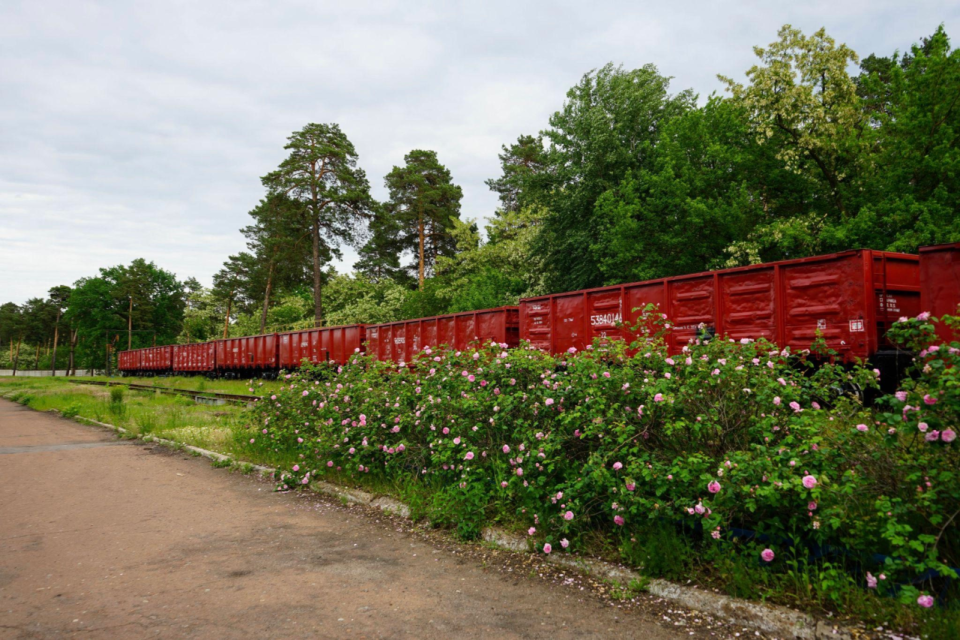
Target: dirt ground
point(104, 538)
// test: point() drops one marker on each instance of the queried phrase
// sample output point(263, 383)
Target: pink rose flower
point(925, 601)
point(809, 481)
point(767, 555)
point(568, 515)
point(617, 466)
point(564, 543)
point(871, 581)
point(714, 487)
point(948, 435)
point(547, 548)
point(862, 427)
point(618, 520)
point(469, 456)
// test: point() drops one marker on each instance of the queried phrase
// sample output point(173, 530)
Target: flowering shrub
point(723, 437)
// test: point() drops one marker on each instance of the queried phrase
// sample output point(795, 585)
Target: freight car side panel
point(826, 297)
point(940, 278)
point(297, 346)
point(428, 333)
point(412, 342)
point(466, 332)
point(896, 283)
point(635, 299)
point(447, 331)
point(568, 328)
point(535, 323)
point(373, 342)
point(157, 359)
point(397, 341)
point(748, 305)
point(690, 303)
point(249, 352)
point(195, 358)
point(604, 315)
point(129, 360)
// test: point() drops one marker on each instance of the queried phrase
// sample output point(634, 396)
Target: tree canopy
point(627, 180)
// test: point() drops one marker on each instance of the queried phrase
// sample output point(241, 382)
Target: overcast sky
point(141, 129)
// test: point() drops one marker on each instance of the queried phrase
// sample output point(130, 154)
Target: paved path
point(100, 539)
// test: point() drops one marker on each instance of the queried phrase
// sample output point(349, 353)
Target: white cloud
point(141, 129)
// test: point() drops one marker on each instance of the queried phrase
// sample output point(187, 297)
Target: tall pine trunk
point(16, 358)
point(422, 242)
point(317, 282)
point(71, 368)
point(226, 321)
point(56, 336)
point(266, 298)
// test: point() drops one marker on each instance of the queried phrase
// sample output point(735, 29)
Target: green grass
point(199, 383)
point(175, 418)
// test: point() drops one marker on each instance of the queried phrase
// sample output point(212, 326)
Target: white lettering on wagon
point(888, 303)
point(605, 319)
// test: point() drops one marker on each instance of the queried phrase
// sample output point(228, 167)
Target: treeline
point(627, 181)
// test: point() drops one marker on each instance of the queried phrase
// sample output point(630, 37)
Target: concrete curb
point(771, 619)
point(767, 618)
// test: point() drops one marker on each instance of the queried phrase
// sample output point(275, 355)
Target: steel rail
point(198, 396)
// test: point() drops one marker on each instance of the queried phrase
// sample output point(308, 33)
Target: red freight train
point(400, 341)
point(128, 362)
point(156, 359)
point(327, 344)
point(849, 298)
point(940, 278)
point(248, 356)
point(200, 357)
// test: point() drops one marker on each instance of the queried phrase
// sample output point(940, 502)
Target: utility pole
point(130, 325)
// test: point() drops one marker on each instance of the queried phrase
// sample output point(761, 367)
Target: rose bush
point(725, 437)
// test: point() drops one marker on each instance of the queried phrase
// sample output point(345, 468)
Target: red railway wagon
point(940, 280)
point(128, 362)
point(249, 355)
point(324, 344)
point(850, 298)
point(400, 341)
point(199, 357)
point(156, 359)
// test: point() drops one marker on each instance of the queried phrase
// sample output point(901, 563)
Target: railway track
point(200, 397)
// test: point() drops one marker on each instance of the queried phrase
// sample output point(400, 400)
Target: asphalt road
point(101, 538)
